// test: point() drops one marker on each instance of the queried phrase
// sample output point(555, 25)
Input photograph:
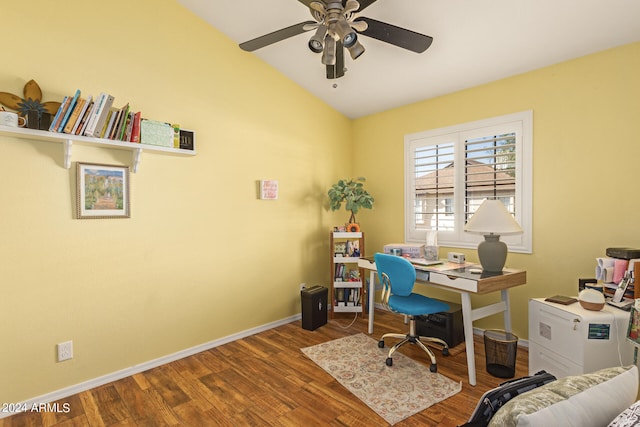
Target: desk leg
point(504, 294)
point(372, 294)
point(467, 321)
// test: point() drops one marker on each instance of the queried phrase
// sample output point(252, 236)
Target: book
point(561, 299)
point(110, 121)
point(57, 118)
point(83, 111)
point(90, 126)
point(102, 133)
point(135, 129)
point(83, 123)
point(116, 124)
point(67, 114)
point(127, 134)
point(75, 115)
point(98, 114)
point(123, 123)
point(101, 117)
point(176, 135)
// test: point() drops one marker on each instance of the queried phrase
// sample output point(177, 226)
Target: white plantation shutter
point(450, 171)
point(490, 171)
point(433, 184)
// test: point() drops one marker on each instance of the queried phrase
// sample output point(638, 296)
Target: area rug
point(395, 392)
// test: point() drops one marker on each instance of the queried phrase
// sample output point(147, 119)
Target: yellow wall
point(200, 258)
point(585, 166)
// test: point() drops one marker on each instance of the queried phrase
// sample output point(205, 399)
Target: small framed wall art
point(269, 189)
point(102, 191)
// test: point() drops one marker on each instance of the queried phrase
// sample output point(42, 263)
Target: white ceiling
point(475, 42)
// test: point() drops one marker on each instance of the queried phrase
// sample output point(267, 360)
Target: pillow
point(583, 400)
point(630, 417)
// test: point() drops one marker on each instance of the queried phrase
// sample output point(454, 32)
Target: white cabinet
point(569, 340)
point(347, 292)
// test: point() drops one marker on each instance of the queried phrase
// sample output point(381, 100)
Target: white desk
point(453, 277)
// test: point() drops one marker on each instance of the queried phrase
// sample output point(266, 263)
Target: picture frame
point(102, 191)
point(269, 189)
point(633, 330)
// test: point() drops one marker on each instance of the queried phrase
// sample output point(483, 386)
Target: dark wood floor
point(262, 380)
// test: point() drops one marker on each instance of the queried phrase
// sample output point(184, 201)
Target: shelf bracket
point(136, 159)
point(67, 153)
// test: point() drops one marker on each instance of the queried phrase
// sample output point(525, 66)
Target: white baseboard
point(136, 369)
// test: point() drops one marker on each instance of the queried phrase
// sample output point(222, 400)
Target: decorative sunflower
point(31, 101)
point(353, 228)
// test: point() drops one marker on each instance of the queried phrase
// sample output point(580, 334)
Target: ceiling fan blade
point(337, 70)
point(365, 4)
point(396, 36)
point(276, 36)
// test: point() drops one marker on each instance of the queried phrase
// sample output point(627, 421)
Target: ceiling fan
point(337, 28)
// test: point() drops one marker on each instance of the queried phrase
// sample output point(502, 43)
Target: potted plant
point(352, 192)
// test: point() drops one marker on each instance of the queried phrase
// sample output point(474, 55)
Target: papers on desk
point(423, 264)
point(446, 265)
point(423, 261)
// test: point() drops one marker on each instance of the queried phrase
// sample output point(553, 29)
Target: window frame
point(522, 124)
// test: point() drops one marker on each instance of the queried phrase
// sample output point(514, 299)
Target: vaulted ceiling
point(475, 42)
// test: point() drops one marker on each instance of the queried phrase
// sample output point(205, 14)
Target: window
point(450, 171)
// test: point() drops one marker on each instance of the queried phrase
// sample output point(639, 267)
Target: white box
point(156, 133)
point(412, 250)
point(569, 340)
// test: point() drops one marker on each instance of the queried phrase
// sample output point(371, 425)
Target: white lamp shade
point(492, 217)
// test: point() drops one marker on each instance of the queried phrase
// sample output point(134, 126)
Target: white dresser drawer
point(454, 282)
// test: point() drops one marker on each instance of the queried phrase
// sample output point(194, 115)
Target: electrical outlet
point(65, 351)
point(303, 286)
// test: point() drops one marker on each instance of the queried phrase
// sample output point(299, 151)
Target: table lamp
point(492, 219)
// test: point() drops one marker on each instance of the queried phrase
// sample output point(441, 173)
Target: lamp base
point(492, 253)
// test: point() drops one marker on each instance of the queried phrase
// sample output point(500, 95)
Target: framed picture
point(269, 189)
point(102, 191)
point(633, 331)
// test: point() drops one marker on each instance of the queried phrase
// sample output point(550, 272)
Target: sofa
point(603, 398)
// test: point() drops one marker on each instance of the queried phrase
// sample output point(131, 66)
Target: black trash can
point(500, 348)
point(314, 307)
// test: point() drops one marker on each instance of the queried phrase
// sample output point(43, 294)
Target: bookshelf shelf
point(347, 294)
point(67, 142)
point(347, 284)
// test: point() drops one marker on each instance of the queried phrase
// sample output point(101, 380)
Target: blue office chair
point(398, 276)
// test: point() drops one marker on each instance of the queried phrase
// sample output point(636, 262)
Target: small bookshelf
point(347, 292)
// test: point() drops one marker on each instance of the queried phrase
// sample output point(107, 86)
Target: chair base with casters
point(398, 277)
point(413, 338)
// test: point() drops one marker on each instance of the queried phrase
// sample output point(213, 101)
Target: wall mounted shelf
point(68, 141)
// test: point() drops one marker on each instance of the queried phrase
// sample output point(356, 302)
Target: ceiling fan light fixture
point(315, 46)
point(356, 50)
point(329, 53)
point(346, 33)
point(316, 42)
